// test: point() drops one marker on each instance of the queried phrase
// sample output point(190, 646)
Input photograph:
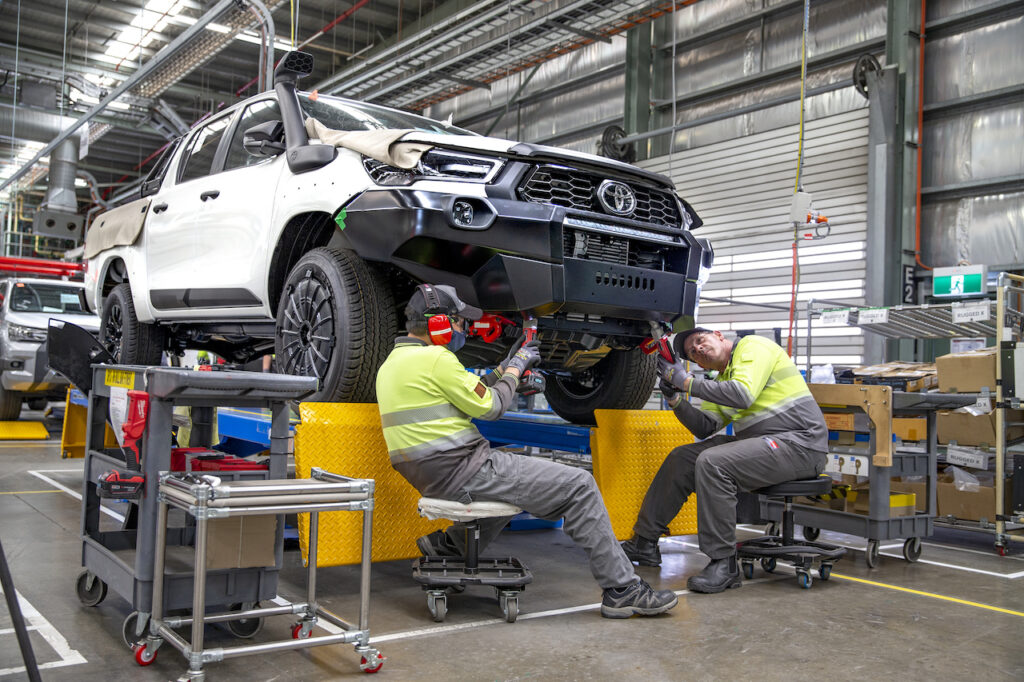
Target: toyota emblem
point(616, 197)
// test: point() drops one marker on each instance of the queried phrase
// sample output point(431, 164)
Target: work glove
point(526, 357)
point(511, 353)
point(673, 373)
point(670, 392)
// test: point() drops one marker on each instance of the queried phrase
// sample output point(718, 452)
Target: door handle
point(159, 208)
point(212, 194)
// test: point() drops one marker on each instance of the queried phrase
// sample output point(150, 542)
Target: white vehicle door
point(236, 220)
point(172, 240)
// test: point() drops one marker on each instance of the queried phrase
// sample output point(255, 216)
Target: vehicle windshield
point(45, 298)
point(346, 114)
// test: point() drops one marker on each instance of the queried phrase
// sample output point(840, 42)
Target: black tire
point(811, 534)
point(37, 403)
point(335, 321)
point(90, 595)
point(130, 342)
point(247, 627)
point(623, 380)
point(10, 405)
point(871, 554)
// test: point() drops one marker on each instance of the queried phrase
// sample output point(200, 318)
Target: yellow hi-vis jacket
point(761, 393)
point(426, 400)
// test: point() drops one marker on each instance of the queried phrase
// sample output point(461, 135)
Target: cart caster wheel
point(768, 564)
point(143, 656)
point(771, 529)
point(811, 534)
point(1001, 550)
point(438, 605)
point(825, 571)
point(372, 663)
point(748, 570)
point(804, 579)
point(246, 627)
point(912, 549)
point(510, 609)
point(91, 590)
point(129, 630)
point(871, 554)
point(301, 632)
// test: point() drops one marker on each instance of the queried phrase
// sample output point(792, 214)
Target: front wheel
point(10, 405)
point(129, 341)
point(623, 380)
point(335, 321)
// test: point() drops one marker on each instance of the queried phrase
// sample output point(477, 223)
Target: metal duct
point(60, 194)
point(40, 126)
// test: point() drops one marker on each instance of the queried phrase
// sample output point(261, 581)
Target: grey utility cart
point(882, 460)
point(122, 557)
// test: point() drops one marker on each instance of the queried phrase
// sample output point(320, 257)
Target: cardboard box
point(839, 421)
point(240, 542)
point(969, 429)
point(969, 505)
point(916, 489)
point(902, 376)
point(967, 372)
point(910, 428)
point(900, 503)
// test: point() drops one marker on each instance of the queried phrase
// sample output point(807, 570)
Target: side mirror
point(150, 187)
point(265, 139)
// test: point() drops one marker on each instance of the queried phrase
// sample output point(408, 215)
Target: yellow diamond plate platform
point(346, 439)
point(23, 431)
point(627, 448)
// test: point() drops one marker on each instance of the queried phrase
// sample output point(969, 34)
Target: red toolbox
point(203, 459)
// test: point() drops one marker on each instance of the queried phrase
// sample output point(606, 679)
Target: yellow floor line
point(30, 492)
point(929, 594)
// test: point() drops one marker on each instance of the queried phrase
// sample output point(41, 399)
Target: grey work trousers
point(549, 491)
point(718, 469)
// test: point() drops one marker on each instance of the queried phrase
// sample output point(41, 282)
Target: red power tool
point(532, 382)
point(658, 342)
point(128, 484)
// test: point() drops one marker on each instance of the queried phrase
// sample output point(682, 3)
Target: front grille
point(607, 248)
point(571, 188)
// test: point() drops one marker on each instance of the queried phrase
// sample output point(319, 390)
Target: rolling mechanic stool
point(507, 575)
point(800, 553)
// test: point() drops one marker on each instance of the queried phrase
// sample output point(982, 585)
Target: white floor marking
point(35, 621)
point(78, 496)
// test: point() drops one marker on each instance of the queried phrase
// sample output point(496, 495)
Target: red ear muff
point(439, 327)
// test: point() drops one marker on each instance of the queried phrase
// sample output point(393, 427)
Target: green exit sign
point(968, 280)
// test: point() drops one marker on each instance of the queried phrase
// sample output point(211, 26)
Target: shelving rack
point(1005, 324)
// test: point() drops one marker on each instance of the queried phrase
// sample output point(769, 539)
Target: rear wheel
point(335, 321)
point(10, 405)
point(130, 342)
point(623, 380)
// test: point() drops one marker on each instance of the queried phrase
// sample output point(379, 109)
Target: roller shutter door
point(742, 189)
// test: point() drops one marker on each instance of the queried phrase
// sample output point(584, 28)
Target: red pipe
point(41, 266)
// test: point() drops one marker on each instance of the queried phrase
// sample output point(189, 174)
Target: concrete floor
point(957, 614)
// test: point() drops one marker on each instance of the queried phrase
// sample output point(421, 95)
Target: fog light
point(462, 213)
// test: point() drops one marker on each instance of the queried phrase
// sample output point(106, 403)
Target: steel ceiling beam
point(137, 77)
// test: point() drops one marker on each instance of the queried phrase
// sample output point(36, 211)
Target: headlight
point(436, 165)
point(18, 332)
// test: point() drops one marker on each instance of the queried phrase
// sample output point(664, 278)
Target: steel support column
point(637, 110)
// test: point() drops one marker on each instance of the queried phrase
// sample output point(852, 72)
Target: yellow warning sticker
point(120, 378)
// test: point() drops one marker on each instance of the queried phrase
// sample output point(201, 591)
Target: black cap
point(441, 299)
point(679, 343)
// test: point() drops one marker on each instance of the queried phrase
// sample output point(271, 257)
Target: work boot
point(636, 598)
point(643, 551)
point(718, 576)
point(436, 544)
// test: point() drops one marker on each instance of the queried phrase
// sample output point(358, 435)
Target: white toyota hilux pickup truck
point(298, 224)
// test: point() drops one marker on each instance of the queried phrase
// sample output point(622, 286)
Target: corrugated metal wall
point(743, 188)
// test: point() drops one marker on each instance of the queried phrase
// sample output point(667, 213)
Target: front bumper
point(25, 368)
point(518, 255)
